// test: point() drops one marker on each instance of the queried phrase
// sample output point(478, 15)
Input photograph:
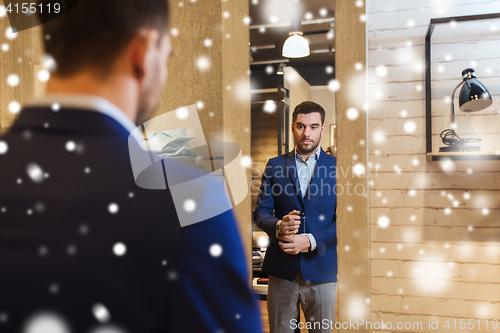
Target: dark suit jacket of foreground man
point(57, 238)
point(319, 205)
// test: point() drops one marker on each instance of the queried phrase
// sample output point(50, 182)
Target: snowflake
point(203, 63)
point(381, 71)
point(70, 146)
point(119, 249)
point(4, 147)
point(100, 312)
point(200, 105)
point(182, 113)
point(269, 106)
point(43, 75)
point(352, 114)
point(83, 229)
point(333, 85)
point(189, 205)
point(246, 161)
point(215, 250)
point(54, 288)
point(10, 34)
point(71, 250)
point(383, 221)
point(14, 107)
point(113, 208)
point(43, 250)
point(35, 172)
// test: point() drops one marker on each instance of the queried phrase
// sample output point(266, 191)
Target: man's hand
point(290, 223)
point(295, 243)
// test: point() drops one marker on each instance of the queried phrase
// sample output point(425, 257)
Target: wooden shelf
point(464, 156)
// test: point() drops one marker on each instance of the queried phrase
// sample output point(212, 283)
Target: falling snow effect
point(203, 63)
point(189, 205)
point(46, 323)
point(70, 146)
point(4, 147)
point(215, 250)
point(246, 161)
point(13, 80)
point(43, 75)
point(101, 313)
point(270, 106)
point(200, 105)
point(10, 34)
point(182, 113)
point(352, 114)
point(35, 172)
point(333, 85)
point(113, 208)
point(383, 221)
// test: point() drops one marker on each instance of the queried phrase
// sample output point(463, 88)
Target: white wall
point(300, 91)
point(326, 98)
point(439, 258)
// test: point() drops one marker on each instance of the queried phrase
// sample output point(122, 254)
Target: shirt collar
point(314, 156)
point(87, 102)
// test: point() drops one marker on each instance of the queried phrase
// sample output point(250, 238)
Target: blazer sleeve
point(214, 279)
point(263, 215)
point(327, 236)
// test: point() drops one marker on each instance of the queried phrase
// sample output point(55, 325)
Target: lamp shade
point(473, 96)
point(296, 46)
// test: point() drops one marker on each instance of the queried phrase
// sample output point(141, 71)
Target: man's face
point(308, 130)
point(154, 80)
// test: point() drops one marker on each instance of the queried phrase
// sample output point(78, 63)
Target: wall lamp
point(473, 97)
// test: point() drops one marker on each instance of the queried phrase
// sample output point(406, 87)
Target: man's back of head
point(83, 249)
point(95, 32)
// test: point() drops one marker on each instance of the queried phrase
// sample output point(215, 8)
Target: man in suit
point(296, 208)
point(83, 249)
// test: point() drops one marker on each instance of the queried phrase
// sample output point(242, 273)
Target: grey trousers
point(317, 300)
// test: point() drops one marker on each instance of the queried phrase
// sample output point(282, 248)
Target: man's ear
point(143, 46)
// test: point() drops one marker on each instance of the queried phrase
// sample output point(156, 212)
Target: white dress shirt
point(305, 171)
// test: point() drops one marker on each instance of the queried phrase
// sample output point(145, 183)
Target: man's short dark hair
point(308, 107)
point(95, 32)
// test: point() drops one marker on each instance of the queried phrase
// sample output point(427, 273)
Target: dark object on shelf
point(454, 143)
point(473, 97)
point(472, 88)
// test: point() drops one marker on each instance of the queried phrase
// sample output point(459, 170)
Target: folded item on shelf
point(171, 143)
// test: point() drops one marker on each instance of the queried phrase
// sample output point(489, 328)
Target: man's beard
point(307, 151)
point(144, 112)
point(148, 100)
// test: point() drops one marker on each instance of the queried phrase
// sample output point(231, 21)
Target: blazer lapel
point(292, 173)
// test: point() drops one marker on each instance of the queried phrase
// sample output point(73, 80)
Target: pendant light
point(296, 46)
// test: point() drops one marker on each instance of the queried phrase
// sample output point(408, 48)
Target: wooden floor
point(265, 318)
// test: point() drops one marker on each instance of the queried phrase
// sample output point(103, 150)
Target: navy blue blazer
point(57, 237)
point(279, 194)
